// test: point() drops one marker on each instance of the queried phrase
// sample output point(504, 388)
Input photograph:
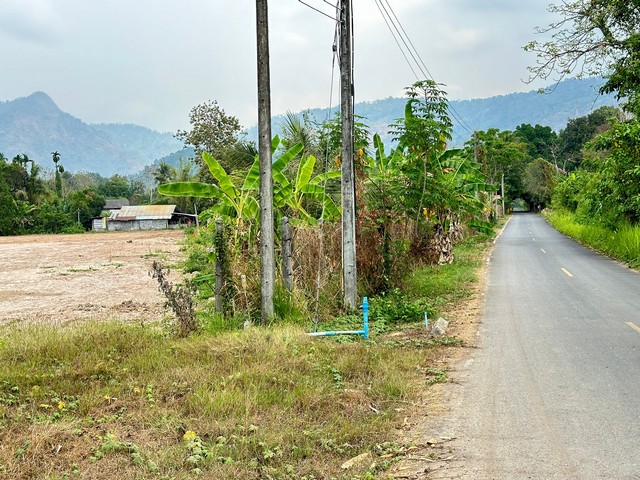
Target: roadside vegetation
point(111, 400)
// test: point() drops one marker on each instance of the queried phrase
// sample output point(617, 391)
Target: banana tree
point(234, 202)
point(453, 197)
point(240, 202)
point(298, 194)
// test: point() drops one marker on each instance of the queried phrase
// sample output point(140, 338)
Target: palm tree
point(164, 173)
point(59, 169)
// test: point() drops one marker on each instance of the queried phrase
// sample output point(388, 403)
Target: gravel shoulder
point(57, 279)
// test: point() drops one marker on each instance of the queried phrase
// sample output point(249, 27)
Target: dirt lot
point(94, 276)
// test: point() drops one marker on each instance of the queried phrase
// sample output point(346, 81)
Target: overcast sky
point(149, 62)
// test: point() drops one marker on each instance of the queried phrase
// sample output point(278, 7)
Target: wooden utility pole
point(349, 273)
point(267, 263)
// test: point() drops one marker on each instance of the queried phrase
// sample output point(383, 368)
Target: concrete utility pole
point(267, 263)
point(349, 273)
point(503, 211)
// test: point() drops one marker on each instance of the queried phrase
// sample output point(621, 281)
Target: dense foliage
point(34, 199)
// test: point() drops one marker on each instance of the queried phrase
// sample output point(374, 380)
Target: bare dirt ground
point(95, 276)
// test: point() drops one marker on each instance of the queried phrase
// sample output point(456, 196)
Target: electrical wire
point(318, 10)
point(392, 19)
point(396, 40)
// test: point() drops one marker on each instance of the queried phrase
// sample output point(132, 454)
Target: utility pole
point(267, 263)
point(503, 211)
point(349, 273)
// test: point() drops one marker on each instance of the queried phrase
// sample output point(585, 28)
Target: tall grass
point(622, 243)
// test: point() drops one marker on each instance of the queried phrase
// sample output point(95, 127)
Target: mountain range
point(553, 107)
point(34, 125)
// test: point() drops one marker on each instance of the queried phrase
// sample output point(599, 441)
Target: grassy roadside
point(111, 400)
point(622, 244)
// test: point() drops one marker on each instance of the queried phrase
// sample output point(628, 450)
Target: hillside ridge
point(36, 126)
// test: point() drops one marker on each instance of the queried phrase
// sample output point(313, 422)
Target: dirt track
point(94, 276)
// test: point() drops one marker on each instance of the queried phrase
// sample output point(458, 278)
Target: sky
point(149, 62)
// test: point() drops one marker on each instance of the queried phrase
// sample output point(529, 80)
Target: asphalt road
point(554, 389)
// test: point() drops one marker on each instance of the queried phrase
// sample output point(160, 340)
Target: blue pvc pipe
point(364, 332)
point(334, 333)
point(365, 317)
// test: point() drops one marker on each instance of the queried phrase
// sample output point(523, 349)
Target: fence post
point(219, 248)
point(287, 255)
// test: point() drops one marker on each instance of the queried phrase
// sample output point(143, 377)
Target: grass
point(440, 286)
point(123, 399)
point(623, 243)
point(112, 400)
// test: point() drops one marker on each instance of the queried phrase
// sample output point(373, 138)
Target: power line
point(396, 40)
point(392, 19)
point(318, 10)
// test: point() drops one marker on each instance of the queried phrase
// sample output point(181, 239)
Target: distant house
point(111, 206)
point(141, 217)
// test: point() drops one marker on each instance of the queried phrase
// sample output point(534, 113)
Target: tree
point(296, 129)
point(540, 178)
point(593, 37)
point(440, 184)
point(58, 169)
point(581, 130)
point(541, 141)
point(212, 131)
point(84, 204)
point(501, 152)
point(164, 173)
point(8, 208)
point(424, 132)
point(117, 186)
point(618, 187)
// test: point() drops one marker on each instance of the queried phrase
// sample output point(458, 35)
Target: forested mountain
point(571, 98)
point(35, 126)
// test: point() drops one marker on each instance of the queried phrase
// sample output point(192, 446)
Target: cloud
point(150, 61)
point(30, 20)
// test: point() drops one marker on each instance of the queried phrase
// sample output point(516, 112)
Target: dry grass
point(115, 401)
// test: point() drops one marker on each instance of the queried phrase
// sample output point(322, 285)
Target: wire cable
point(318, 10)
point(397, 41)
point(392, 19)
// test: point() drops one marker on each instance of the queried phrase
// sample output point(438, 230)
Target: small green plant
point(111, 445)
point(197, 451)
point(338, 381)
point(435, 375)
point(397, 308)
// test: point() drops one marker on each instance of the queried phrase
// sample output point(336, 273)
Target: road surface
point(553, 392)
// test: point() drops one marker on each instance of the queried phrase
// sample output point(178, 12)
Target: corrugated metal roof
point(145, 212)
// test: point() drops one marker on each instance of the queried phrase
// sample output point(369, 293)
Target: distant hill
point(571, 98)
point(36, 126)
